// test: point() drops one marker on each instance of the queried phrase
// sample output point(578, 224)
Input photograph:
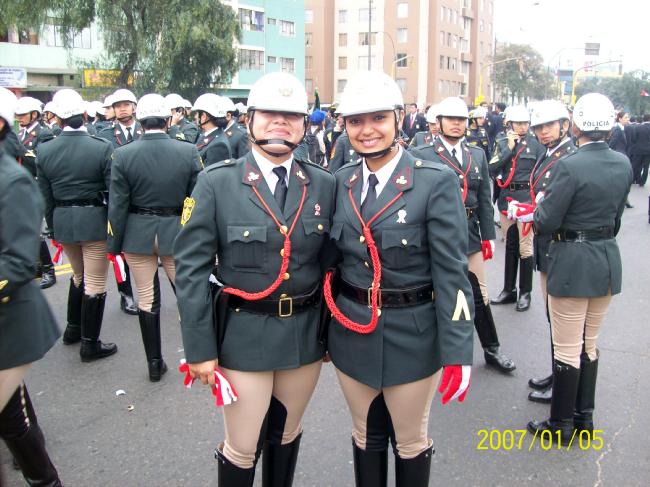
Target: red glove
point(487, 247)
point(118, 267)
point(455, 381)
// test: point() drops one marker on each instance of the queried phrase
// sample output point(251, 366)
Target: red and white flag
point(223, 391)
point(118, 267)
point(644, 93)
point(58, 255)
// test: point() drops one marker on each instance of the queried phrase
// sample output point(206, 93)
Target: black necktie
point(280, 192)
point(453, 154)
point(129, 136)
point(371, 196)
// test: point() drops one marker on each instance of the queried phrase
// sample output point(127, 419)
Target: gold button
point(320, 227)
point(283, 295)
point(362, 239)
point(366, 264)
point(418, 163)
point(404, 242)
point(282, 252)
point(287, 276)
point(284, 229)
point(247, 233)
point(6, 299)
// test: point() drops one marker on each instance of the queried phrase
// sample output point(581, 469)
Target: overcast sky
point(621, 26)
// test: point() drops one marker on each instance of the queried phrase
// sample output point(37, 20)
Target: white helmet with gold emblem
point(278, 92)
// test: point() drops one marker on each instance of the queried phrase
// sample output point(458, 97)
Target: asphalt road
point(168, 437)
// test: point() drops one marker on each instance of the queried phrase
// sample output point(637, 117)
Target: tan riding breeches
point(408, 406)
point(574, 322)
point(144, 268)
point(244, 419)
point(10, 379)
point(476, 265)
point(88, 261)
point(525, 241)
point(542, 283)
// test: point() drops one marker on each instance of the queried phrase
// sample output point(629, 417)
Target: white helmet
point(241, 108)
point(49, 107)
point(432, 114)
point(211, 104)
point(174, 101)
point(453, 107)
point(90, 109)
point(594, 112)
point(478, 112)
point(7, 105)
point(369, 92)
point(187, 103)
point(68, 103)
point(517, 113)
point(123, 95)
point(151, 105)
point(27, 104)
point(99, 107)
point(108, 101)
point(278, 92)
point(228, 104)
point(548, 111)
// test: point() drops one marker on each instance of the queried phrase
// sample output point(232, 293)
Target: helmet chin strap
point(262, 142)
point(556, 142)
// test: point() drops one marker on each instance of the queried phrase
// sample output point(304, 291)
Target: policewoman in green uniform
point(402, 314)
point(27, 326)
point(74, 176)
point(582, 209)
point(511, 165)
point(179, 126)
point(551, 124)
point(266, 216)
point(150, 179)
point(476, 134)
point(427, 137)
point(469, 163)
point(210, 112)
point(237, 138)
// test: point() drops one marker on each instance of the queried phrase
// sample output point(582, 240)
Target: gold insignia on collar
point(188, 206)
point(401, 180)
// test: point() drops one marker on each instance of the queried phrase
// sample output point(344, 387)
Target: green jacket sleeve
point(46, 190)
point(118, 205)
point(486, 210)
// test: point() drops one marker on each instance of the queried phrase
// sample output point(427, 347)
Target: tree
point(175, 45)
point(625, 92)
point(520, 73)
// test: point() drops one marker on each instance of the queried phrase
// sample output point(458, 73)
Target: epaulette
point(102, 139)
point(313, 164)
point(423, 163)
point(349, 164)
point(224, 163)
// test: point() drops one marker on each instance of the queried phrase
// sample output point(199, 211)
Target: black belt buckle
point(379, 302)
point(281, 309)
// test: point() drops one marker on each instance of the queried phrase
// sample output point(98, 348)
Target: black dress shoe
point(127, 304)
point(523, 303)
point(541, 384)
point(498, 360)
point(505, 297)
point(628, 205)
point(48, 278)
point(543, 396)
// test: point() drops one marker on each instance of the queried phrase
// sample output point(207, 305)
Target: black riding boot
point(413, 472)
point(47, 274)
point(92, 313)
point(72, 333)
point(230, 475)
point(586, 398)
point(525, 283)
point(279, 463)
point(509, 293)
point(370, 467)
point(127, 303)
point(150, 329)
point(565, 389)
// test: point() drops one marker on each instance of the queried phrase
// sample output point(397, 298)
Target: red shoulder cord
point(513, 167)
point(460, 171)
point(376, 276)
point(286, 252)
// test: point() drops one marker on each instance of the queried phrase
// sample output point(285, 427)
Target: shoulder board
point(224, 163)
point(313, 164)
point(349, 165)
point(101, 139)
point(423, 163)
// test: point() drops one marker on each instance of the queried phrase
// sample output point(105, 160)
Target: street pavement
point(164, 435)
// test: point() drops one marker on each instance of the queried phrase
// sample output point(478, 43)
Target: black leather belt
point(390, 298)
point(78, 203)
point(601, 233)
point(471, 211)
point(283, 308)
point(155, 211)
point(518, 186)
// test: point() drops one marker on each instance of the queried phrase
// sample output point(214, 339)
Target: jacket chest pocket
point(398, 246)
point(474, 178)
point(247, 247)
point(315, 231)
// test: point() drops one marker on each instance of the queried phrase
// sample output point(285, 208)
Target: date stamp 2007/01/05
point(496, 440)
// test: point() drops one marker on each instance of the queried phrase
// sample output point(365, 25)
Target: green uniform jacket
point(540, 178)
point(413, 342)
point(214, 147)
point(588, 190)
point(153, 172)
point(31, 142)
point(422, 138)
point(530, 151)
point(229, 220)
point(75, 166)
point(478, 138)
point(239, 143)
point(343, 153)
point(113, 133)
point(187, 131)
point(481, 225)
point(27, 327)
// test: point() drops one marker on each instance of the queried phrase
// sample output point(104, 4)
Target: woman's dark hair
point(75, 121)
point(5, 130)
point(598, 136)
point(620, 115)
point(153, 123)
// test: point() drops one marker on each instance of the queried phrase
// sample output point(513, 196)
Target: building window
point(481, 4)
point(402, 10)
point(401, 82)
point(401, 60)
point(363, 14)
point(363, 62)
point(343, 16)
point(251, 60)
point(309, 62)
point(453, 64)
point(448, 62)
point(309, 86)
point(467, 3)
point(442, 13)
point(343, 40)
point(464, 45)
point(448, 14)
point(53, 37)
point(271, 59)
point(442, 38)
point(287, 28)
point(448, 39)
point(467, 25)
point(309, 16)
point(402, 35)
point(454, 41)
point(464, 67)
point(463, 89)
point(363, 38)
point(288, 64)
point(340, 85)
point(271, 21)
point(343, 62)
point(442, 62)
point(481, 25)
point(454, 17)
point(309, 37)
point(251, 20)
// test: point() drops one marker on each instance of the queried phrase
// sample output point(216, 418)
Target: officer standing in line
point(49, 119)
point(107, 117)
point(401, 319)
point(237, 137)
point(428, 137)
point(470, 164)
point(210, 114)
point(179, 126)
point(551, 125)
point(513, 160)
point(582, 209)
point(476, 134)
point(91, 111)
point(343, 153)
point(332, 133)
point(32, 135)
point(74, 175)
point(241, 115)
point(27, 326)
point(123, 131)
point(266, 216)
point(150, 179)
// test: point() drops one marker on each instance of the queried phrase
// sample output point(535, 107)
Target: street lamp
point(479, 99)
